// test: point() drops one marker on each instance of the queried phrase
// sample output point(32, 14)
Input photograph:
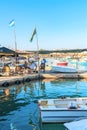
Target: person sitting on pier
point(32, 67)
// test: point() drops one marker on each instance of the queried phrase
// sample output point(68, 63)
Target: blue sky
point(60, 24)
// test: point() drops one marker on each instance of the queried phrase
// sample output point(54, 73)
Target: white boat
point(63, 69)
point(77, 125)
point(62, 110)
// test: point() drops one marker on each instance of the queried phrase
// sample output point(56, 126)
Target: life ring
point(17, 82)
point(5, 84)
point(28, 80)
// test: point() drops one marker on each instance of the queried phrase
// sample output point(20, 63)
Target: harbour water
point(18, 103)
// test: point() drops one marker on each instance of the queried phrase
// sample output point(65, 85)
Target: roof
point(6, 50)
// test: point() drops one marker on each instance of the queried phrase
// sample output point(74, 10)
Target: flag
point(34, 32)
point(12, 23)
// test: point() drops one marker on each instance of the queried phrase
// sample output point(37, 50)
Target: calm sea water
point(19, 108)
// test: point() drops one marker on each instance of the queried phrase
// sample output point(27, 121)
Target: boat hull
point(51, 116)
point(80, 124)
point(63, 69)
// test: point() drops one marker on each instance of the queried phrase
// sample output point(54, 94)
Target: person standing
point(42, 66)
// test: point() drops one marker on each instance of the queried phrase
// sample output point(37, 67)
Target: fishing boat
point(62, 109)
point(80, 124)
point(65, 69)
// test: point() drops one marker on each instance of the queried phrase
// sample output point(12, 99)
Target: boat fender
point(28, 80)
point(5, 84)
point(17, 82)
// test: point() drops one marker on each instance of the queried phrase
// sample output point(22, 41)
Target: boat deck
point(63, 104)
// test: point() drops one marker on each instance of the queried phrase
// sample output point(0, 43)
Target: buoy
point(28, 80)
point(5, 84)
point(17, 82)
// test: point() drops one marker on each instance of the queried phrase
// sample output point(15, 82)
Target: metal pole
point(15, 44)
point(38, 54)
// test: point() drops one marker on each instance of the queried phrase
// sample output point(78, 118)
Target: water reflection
point(18, 104)
point(9, 102)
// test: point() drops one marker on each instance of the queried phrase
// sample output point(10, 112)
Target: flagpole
point(12, 24)
point(38, 53)
point(15, 44)
point(35, 33)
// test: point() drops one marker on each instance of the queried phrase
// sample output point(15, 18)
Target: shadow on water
point(55, 126)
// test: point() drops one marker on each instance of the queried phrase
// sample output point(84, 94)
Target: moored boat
point(62, 110)
point(80, 124)
point(63, 69)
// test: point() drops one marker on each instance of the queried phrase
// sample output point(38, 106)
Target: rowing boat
point(62, 110)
